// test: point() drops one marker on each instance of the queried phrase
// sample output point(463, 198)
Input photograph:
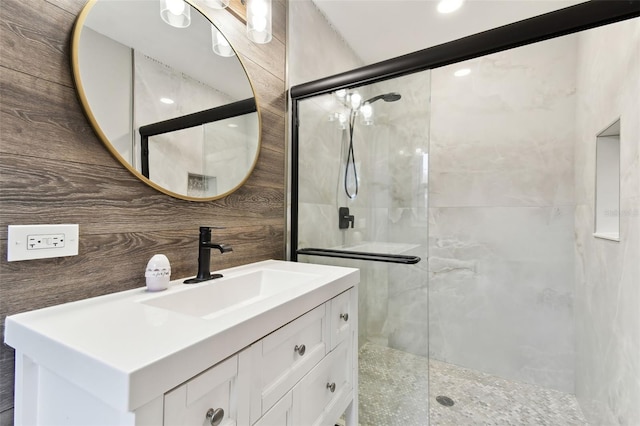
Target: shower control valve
point(344, 218)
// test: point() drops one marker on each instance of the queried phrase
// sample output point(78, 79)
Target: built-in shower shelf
point(613, 236)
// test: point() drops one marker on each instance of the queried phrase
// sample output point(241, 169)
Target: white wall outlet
point(26, 242)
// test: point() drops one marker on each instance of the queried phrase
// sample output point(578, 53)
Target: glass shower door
point(365, 149)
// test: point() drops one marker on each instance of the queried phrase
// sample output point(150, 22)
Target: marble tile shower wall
point(501, 214)
point(608, 272)
point(391, 157)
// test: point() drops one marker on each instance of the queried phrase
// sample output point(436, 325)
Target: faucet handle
point(224, 248)
point(205, 233)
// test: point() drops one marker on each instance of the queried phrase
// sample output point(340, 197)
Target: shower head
point(387, 97)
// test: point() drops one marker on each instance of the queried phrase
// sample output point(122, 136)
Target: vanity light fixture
point(448, 6)
point(259, 21)
point(255, 14)
point(176, 13)
point(219, 44)
point(462, 72)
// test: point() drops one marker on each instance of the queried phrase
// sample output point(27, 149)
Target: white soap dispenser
point(158, 273)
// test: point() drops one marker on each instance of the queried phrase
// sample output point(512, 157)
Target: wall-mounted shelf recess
point(607, 204)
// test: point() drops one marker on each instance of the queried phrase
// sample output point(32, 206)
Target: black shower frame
point(583, 16)
point(233, 109)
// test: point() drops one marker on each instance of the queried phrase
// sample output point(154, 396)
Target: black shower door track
point(582, 16)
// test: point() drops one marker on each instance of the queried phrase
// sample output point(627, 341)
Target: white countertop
point(126, 352)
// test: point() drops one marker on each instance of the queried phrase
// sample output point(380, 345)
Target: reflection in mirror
point(219, 134)
point(134, 71)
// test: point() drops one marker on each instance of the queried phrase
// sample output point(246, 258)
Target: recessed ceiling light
point(166, 101)
point(462, 72)
point(448, 6)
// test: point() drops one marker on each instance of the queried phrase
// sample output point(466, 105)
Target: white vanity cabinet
point(323, 395)
point(286, 359)
point(342, 316)
point(310, 364)
point(282, 358)
point(218, 394)
point(279, 414)
point(290, 377)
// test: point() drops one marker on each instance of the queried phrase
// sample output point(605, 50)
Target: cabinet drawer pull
point(300, 349)
point(344, 317)
point(331, 386)
point(215, 416)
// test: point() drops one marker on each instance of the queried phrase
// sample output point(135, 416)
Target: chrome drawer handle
point(300, 349)
point(344, 317)
point(331, 386)
point(215, 416)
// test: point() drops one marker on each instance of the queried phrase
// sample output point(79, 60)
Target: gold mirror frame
point(75, 67)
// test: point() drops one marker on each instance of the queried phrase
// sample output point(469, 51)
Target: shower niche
point(607, 187)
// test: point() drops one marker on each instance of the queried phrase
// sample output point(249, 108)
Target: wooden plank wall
point(53, 169)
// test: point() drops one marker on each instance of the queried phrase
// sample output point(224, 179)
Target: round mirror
point(168, 96)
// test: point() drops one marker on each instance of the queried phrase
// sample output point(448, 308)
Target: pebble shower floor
point(393, 385)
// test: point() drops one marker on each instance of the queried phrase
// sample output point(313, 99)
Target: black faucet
point(204, 256)
point(344, 218)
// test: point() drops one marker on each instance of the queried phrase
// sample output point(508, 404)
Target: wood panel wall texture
point(53, 169)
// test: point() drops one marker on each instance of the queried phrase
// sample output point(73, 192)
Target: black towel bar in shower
point(359, 255)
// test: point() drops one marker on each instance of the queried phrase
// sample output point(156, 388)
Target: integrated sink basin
point(212, 298)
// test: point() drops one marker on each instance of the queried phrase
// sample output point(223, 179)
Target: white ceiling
point(382, 29)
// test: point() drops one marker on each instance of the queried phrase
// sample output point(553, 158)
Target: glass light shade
point(216, 4)
point(219, 44)
point(355, 100)
point(366, 111)
point(176, 13)
point(259, 21)
point(342, 120)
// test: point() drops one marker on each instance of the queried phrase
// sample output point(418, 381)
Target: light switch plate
point(27, 242)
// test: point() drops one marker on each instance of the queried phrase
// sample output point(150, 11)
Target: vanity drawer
point(279, 414)
point(325, 392)
point(341, 317)
point(215, 388)
point(285, 356)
